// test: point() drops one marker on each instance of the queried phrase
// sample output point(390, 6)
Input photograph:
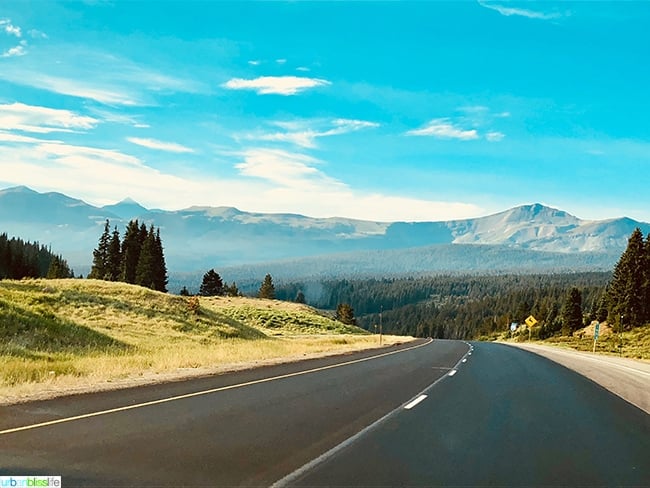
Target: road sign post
point(596, 332)
point(530, 321)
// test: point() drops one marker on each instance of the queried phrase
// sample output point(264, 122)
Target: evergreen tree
point(159, 267)
point(144, 273)
point(212, 284)
point(59, 269)
point(345, 314)
point(130, 252)
point(99, 269)
point(646, 280)
point(572, 312)
point(232, 290)
point(300, 297)
point(267, 289)
point(114, 258)
point(184, 292)
point(626, 290)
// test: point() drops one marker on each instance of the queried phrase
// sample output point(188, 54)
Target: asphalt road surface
point(504, 417)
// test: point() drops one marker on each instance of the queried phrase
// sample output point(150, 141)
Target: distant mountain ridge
point(202, 237)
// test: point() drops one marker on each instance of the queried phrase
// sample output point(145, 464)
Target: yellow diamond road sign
point(531, 321)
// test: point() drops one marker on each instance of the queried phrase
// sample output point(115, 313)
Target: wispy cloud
point(14, 31)
point(494, 136)
point(160, 145)
point(32, 118)
point(19, 50)
point(277, 85)
point(254, 62)
point(305, 133)
point(9, 28)
point(96, 75)
point(519, 12)
point(444, 129)
point(281, 61)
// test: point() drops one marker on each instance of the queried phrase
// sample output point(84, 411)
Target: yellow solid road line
point(205, 392)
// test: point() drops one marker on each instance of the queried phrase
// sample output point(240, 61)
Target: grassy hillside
point(64, 334)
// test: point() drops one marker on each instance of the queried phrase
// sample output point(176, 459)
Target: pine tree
point(212, 284)
point(646, 280)
point(144, 273)
point(267, 289)
point(184, 292)
point(99, 268)
point(130, 252)
point(114, 258)
point(59, 269)
point(232, 290)
point(345, 314)
point(626, 290)
point(159, 267)
point(300, 297)
point(572, 312)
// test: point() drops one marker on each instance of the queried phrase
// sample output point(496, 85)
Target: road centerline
point(203, 392)
point(412, 404)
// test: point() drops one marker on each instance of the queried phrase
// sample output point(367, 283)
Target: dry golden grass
point(59, 336)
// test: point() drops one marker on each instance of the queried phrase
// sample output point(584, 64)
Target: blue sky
point(380, 111)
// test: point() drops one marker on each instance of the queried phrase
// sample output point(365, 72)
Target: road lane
point(507, 418)
point(248, 436)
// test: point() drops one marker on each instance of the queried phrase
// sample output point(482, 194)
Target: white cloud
point(160, 145)
point(520, 12)
point(444, 129)
point(36, 34)
point(96, 75)
point(495, 136)
point(270, 181)
point(14, 52)
point(286, 169)
point(303, 69)
point(73, 87)
point(254, 62)
point(278, 85)
point(9, 28)
point(299, 187)
point(304, 135)
point(32, 118)
point(281, 61)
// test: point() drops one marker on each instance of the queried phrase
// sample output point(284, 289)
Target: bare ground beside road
point(627, 378)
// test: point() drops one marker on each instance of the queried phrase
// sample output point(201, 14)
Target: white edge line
point(295, 475)
point(419, 399)
point(204, 392)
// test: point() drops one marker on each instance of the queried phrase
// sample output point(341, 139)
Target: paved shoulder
point(627, 378)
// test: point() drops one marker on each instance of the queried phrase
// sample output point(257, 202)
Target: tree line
point(468, 307)
point(23, 259)
point(138, 258)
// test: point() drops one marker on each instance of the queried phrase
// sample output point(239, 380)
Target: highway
point(503, 417)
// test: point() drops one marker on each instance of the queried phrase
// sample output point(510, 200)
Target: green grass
point(62, 334)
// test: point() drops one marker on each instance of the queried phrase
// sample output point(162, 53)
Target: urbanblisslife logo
point(27, 481)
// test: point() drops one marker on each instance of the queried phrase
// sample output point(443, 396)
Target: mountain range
point(198, 238)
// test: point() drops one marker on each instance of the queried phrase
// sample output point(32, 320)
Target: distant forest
point(24, 259)
point(471, 307)
point(455, 307)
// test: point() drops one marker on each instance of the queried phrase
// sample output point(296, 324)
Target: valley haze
point(246, 245)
